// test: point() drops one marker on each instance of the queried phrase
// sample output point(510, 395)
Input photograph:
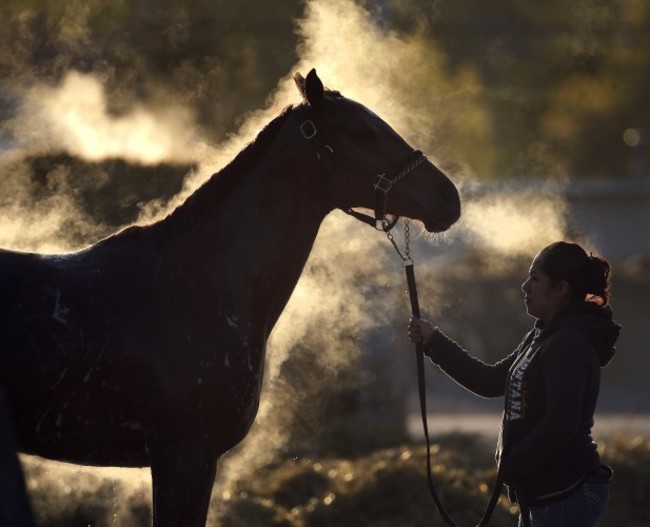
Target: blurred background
point(113, 111)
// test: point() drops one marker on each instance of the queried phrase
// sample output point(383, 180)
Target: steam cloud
point(403, 81)
point(74, 117)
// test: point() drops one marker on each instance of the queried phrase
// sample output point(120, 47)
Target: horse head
point(369, 165)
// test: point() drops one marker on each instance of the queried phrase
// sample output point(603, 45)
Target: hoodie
point(551, 383)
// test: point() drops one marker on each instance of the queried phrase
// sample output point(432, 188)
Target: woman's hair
point(588, 276)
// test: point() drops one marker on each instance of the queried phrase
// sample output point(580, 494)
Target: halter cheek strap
point(381, 183)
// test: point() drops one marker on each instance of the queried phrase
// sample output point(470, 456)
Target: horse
point(146, 349)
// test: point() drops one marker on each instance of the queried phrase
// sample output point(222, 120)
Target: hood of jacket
point(590, 320)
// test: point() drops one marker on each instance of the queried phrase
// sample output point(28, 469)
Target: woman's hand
point(420, 331)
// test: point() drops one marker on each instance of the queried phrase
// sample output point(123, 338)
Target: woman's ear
point(563, 289)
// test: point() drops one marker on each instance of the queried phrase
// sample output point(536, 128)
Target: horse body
point(76, 373)
point(147, 348)
point(142, 318)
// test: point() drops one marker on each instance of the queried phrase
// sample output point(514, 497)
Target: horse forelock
point(328, 93)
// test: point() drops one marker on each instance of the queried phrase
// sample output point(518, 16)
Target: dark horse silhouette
point(147, 348)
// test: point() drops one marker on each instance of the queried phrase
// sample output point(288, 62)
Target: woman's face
point(542, 299)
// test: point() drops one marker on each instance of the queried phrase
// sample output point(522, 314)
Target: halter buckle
point(383, 183)
point(308, 129)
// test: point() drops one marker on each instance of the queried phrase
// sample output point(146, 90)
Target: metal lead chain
point(406, 255)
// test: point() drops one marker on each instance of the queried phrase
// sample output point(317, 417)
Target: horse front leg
point(183, 477)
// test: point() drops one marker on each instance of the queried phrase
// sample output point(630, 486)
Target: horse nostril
point(452, 202)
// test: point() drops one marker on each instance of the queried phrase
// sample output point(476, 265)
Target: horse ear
point(300, 83)
point(314, 89)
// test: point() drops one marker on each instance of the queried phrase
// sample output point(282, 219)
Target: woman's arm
point(486, 380)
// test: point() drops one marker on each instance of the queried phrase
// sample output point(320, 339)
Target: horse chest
point(232, 383)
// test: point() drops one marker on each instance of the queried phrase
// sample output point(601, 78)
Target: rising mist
point(91, 113)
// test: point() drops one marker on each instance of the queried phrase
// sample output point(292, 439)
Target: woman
point(550, 382)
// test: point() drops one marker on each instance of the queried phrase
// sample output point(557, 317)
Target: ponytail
point(598, 280)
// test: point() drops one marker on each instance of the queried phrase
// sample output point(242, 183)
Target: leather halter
point(381, 183)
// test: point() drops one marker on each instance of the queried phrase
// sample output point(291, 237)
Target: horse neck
point(259, 232)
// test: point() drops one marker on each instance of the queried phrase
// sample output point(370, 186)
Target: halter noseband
point(382, 183)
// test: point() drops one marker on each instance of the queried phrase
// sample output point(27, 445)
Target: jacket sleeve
point(486, 380)
point(567, 365)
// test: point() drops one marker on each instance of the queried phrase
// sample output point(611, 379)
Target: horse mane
point(247, 157)
point(218, 185)
point(221, 183)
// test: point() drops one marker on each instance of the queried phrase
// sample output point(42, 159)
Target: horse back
point(31, 312)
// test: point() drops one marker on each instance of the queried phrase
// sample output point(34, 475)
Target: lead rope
point(407, 262)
